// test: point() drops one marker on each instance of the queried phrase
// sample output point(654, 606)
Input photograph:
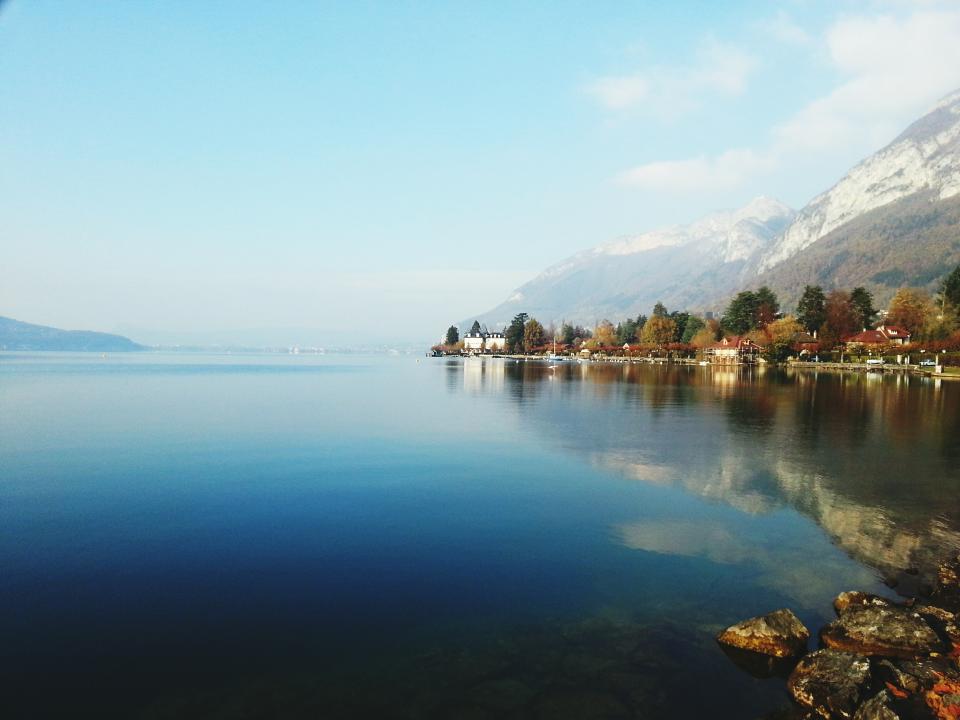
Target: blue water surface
point(187, 535)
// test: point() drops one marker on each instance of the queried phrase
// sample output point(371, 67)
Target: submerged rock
point(830, 682)
point(886, 630)
point(779, 634)
point(759, 665)
point(877, 708)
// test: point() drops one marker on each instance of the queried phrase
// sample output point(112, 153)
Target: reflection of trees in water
point(872, 459)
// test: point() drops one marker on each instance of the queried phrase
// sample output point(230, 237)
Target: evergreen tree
point(693, 326)
point(741, 313)
point(862, 301)
point(453, 335)
point(514, 333)
point(475, 328)
point(811, 310)
point(567, 334)
point(660, 310)
point(767, 307)
point(950, 289)
point(680, 319)
point(626, 332)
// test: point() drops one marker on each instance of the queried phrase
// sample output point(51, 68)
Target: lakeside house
point(803, 343)
point(733, 350)
point(480, 342)
point(883, 335)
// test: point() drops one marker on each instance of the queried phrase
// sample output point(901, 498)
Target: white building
point(483, 342)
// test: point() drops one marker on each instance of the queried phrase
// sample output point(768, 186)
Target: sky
point(366, 172)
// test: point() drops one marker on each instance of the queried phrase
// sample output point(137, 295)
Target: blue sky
point(331, 172)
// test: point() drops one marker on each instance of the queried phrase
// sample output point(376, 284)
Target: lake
point(258, 536)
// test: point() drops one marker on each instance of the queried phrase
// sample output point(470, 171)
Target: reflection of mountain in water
point(873, 460)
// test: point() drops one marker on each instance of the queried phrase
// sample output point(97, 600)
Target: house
point(473, 341)
point(733, 350)
point(804, 343)
point(883, 335)
point(480, 342)
point(496, 342)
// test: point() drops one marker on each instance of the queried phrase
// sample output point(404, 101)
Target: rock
point(877, 708)
point(855, 598)
point(911, 677)
point(758, 665)
point(779, 634)
point(947, 591)
point(830, 682)
point(944, 622)
point(943, 699)
point(889, 631)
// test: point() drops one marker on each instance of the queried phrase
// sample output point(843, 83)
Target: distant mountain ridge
point(679, 265)
point(17, 335)
point(891, 221)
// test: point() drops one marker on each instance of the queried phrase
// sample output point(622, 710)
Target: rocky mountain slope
point(913, 241)
point(925, 158)
point(679, 265)
point(17, 335)
point(893, 220)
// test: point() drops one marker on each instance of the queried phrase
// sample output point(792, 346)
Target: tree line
point(829, 316)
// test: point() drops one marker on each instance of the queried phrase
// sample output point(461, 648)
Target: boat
point(553, 357)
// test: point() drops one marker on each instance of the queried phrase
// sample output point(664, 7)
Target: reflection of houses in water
point(483, 375)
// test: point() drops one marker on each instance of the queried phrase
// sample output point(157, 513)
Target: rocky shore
point(879, 660)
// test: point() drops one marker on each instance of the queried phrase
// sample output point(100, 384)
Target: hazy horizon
point(366, 173)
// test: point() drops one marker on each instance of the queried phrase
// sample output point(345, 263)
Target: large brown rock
point(830, 682)
point(889, 631)
point(855, 598)
point(778, 634)
point(914, 677)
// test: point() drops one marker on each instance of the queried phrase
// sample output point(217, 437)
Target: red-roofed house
point(883, 335)
point(730, 350)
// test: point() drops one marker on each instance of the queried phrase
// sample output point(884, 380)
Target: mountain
point(681, 265)
point(893, 220)
point(913, 241)
point(16, 335)
point(924, 159)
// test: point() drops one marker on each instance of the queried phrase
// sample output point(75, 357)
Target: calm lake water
point(193, 536)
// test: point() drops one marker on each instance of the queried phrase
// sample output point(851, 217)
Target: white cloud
point(718, 69)
point(892, 69)
point(725, 171)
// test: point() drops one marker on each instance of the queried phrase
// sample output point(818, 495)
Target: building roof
point(734, 341)
point(883, 334)
point(892, 331)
